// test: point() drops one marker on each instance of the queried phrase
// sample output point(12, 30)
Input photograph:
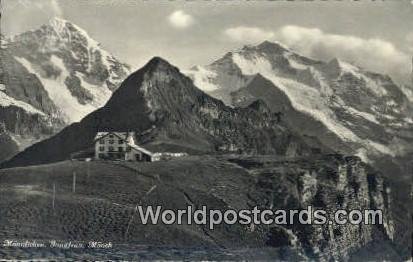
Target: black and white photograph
point(192, 130)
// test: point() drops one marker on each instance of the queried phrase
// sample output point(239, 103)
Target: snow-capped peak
point(77, 73)
point(69, 31)
point(59, 24)
point(328, 92)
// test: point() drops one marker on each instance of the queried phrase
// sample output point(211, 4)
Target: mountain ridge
point(158, 97)
point(341, 96)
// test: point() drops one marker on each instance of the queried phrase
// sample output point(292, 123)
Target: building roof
point(121, 135)
point(141, 149)
point(124, 136)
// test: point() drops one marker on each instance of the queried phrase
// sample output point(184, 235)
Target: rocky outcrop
point(330, 183)
point(74, 85)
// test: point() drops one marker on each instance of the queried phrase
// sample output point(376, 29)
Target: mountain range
point(57, 74)
point(168, 112)
point(58, 88)
point(349, 108)
point(51, 77)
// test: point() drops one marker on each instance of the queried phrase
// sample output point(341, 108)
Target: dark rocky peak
point(266, 47)
point(226, 64)
point(333, 68)
point(225, 60)
point(157, 86)
point(338, 65)
point(334, 63)
point(260, 106)
point(158, 64)
point(272, 47)
point(258, 78)
point(157, 69)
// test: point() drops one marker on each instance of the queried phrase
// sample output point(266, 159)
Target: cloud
point(248, 35)
point(180, 19)
point(371, 53)
point(409, 39)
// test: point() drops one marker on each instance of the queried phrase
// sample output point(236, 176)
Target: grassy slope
point(105, 199)
point(106, 195)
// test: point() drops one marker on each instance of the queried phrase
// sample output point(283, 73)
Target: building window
point(101, 155)
point(110, 136)
point(128, 149)
point(120, 141)
point(101, 141)
point(111, 142)
point(102, 148)
point(111, 149)
point(120, 149)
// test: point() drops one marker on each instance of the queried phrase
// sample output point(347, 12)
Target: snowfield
point(73, 111)
point(6, 101)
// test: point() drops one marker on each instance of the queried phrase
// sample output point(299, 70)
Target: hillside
point(99, 210)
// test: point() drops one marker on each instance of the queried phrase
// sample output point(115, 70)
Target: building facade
point(120, 146)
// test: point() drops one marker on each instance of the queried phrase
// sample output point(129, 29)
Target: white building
point(121, 146)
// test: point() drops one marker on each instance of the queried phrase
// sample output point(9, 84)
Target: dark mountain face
point(170, 113)
point(8, 146)
point(261, 88)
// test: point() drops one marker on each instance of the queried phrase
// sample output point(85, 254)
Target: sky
point(377, 35)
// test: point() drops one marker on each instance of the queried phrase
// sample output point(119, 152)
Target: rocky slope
point(361, 112)
point(169, 113)
point(51, 77)
point(107, 192)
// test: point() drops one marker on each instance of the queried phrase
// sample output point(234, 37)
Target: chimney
point(130, 138)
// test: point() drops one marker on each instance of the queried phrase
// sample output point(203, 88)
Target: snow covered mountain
point(350, 109)
point(78, 75)
point(53, 76)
